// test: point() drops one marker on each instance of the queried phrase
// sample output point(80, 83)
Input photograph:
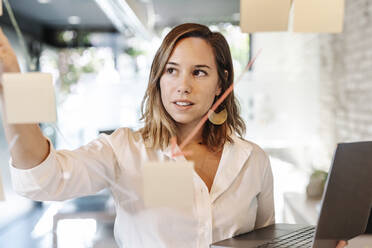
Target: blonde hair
point(159, 125)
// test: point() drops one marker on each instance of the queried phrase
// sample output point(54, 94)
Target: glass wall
point(98, 89)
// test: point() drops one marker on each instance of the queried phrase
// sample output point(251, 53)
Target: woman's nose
point(184, 85)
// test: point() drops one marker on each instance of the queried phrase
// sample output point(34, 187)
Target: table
point(298, 209)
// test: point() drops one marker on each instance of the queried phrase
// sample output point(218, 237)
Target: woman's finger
point(8, 58)
point(341, 244)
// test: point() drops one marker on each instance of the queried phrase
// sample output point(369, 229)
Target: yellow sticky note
point(318, 16)
point(168, 184)
point(29, 97)
point(2, 197)
point(264, 15)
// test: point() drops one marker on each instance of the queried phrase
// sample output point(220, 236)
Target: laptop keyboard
point(300, 238)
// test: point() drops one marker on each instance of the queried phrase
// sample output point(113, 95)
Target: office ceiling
point(173, 12)
point(55, 13)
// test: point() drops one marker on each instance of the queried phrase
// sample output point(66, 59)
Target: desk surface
point(305, 211)
point(302, 209)
point(362, 241)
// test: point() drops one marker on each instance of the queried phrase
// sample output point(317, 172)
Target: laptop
point(345, 208)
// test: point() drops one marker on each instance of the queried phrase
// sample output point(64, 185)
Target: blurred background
point(305, 93)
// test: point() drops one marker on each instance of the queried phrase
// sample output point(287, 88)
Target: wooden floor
point(17, 234)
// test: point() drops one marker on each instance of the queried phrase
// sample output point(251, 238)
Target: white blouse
point(240, 200)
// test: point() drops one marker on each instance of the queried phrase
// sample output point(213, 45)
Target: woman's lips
point(183, 105)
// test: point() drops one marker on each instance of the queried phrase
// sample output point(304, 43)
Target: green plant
point(133, 52)
point(71, 68)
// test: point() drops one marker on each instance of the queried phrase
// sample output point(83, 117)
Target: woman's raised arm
point(29, 147)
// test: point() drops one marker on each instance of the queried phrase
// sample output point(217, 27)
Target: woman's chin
point(186, 118)
point(184, 121)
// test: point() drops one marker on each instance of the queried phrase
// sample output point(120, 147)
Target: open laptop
point(346, 205)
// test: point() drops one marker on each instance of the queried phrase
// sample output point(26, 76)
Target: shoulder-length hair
point(159, 125)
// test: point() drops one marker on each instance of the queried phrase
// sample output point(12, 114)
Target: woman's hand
point(8, 58)
point(341, 244)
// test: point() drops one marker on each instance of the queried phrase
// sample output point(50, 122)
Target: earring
point(217, 118)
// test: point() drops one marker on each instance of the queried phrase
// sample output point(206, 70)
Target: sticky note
point(168, 184)
point(2, 197)
point(29, 98)
point(318, 16)
point(264, 15)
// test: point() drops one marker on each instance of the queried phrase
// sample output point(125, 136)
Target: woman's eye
point(199, 73)
point(170, 70)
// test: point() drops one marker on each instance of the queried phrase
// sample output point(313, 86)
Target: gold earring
point(217, 118)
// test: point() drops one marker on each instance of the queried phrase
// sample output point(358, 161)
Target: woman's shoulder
point(124, 135)
point(249, 145)
point(257, 158)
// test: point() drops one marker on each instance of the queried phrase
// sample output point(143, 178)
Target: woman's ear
point(218, 91)
point(226, 74)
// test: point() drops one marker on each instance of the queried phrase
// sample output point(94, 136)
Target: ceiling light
point(124, 18)
point(43, 1)
point(74, 20)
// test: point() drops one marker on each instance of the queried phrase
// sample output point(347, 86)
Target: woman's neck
point(184, 131)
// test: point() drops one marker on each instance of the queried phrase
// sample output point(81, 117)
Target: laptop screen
point(346, 203)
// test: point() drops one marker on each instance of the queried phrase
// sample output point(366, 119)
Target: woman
point(233, 184)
